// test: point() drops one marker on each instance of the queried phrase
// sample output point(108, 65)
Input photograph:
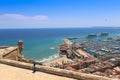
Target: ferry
point(71, 38)
point(103, 34)
point(91, 36)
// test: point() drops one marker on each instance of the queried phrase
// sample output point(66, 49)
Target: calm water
point(41, 44)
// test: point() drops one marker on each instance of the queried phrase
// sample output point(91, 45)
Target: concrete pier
point(68, 42)
point(82, 53)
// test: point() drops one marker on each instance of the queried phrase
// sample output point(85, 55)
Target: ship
point(91, 36)
point(103, 34)
point(71, 38)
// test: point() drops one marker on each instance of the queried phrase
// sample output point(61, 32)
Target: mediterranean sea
point(41, 44)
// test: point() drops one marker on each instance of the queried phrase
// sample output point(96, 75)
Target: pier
point(71, 49)
point(68, 42)
point(82, 53)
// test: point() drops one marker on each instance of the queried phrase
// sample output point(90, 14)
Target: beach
point(58, 61)
point(15, 73)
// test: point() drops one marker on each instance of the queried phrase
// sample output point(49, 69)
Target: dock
point(70, 50)
point(82, 53)
point(68, 42)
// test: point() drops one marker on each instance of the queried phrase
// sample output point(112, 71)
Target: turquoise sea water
point(41, 44)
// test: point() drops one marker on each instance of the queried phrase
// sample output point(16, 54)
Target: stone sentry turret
point(20, 45)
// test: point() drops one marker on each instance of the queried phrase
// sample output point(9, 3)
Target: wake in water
point(55, 56)
point(52, 47)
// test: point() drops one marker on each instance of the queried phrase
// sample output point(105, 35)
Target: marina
point(92, 57)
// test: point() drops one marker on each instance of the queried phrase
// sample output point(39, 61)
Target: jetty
point(73, 49)
point(68, 42)
point(82, 53)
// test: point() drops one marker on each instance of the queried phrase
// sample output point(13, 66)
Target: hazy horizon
point(62, 27)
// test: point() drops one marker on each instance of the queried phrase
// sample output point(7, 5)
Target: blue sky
point(59, 13)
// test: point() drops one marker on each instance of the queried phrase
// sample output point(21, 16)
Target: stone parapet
point(56, 71)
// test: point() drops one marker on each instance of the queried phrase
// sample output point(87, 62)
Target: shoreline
point(81, 61)
point(57, 60)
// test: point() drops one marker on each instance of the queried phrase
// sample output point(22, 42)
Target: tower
point(20, 45)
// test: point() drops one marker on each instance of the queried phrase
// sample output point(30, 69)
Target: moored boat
point(91, 36)
point(103, 34)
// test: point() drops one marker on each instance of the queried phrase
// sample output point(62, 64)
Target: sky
point(59, 13)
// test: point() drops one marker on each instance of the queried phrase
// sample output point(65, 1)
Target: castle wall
point(13, 55)
point(56, 71)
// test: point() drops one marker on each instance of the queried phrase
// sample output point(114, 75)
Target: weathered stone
point(56, 71)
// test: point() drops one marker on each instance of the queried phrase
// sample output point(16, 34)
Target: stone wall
point(13, 55)
point(56, 71)
point(2, 47)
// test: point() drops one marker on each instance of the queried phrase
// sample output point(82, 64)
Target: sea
point(42, 44)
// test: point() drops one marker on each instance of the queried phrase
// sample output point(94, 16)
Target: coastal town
point(87, 60)
point(60, 39)
point(91, 57)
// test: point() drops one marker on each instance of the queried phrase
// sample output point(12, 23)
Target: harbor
point(100, 59)
point(60, 39)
